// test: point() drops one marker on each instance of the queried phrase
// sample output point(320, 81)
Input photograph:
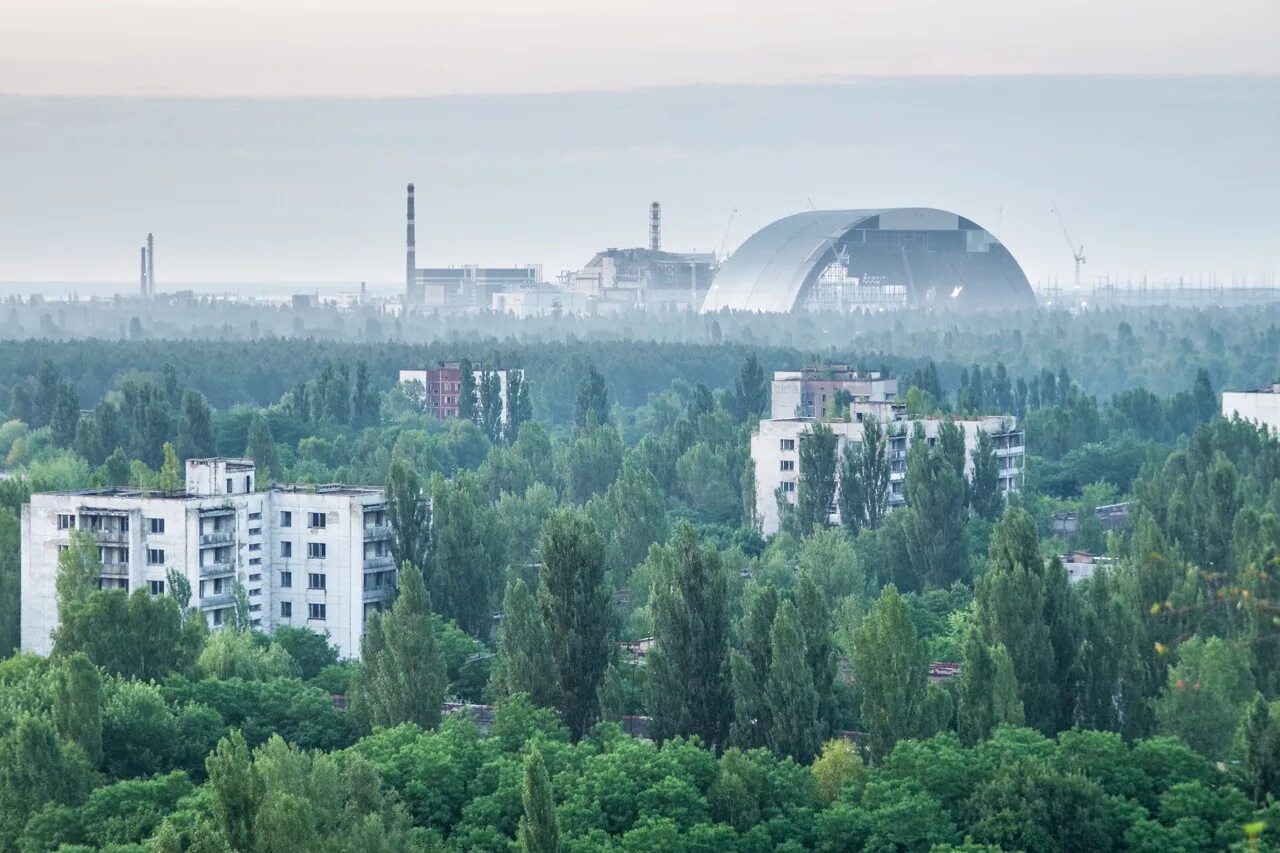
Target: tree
point(170, 470)
point(77, 704)
point(835, 769)
point(984, 487)
point(750, 393)
point(892, 666)
point(236, 788)
point(539, 832)
point(576, 610)
point(816, 489)
point(814, 612)
point(409, 514)
point(873, 472)
point(634, 511)
point(65, 415)
point(526, 664)
point(402, 675)
point(466, 554)
point(851, 497)
point(1262, 751)
point(689, 665)
point(795, 729)
point(364, 398)
point(591, 402)
point(749, 666)
point(1011, 600)
point(935, 492)
point(592, 462)
point(195, 427)
point(491, 405)
point(987, 695)
point(79, 567)
point(706, 483)
point(36, 768)
point(262, 446)
point(1202, 701)
point(10, 582)
point(1112, 693)
point(519, 404)
point(468, 406)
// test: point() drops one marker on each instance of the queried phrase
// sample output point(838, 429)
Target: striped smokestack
point(151, 266)
point(655, 227)
point(143, 270)
point(411, 245)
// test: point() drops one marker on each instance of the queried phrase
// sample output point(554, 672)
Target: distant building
point(1081, 565)
point(442, 388)
point(646, 279)
point(1111, 516)
point(317, 557)
point(775, 451)
point(1262, 406)
point(541, 301)
point(805, 393)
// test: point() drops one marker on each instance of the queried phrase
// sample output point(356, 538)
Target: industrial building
point(463, 289)
point(442, 388)
point(846, 260)
point(806, 393)
point(1262, 405)
point(646, 278)
point(317, 557)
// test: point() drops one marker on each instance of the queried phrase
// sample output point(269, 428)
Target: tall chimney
point(655, 227)
point(151, 265)
point(410, 259)
point(143, 270)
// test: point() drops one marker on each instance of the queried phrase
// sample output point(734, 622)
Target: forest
point(662, 677)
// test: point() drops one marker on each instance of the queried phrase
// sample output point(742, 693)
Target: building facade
point(805, 393)
point(317, 557)
point(442, 388)
point(775, 452)
point(1261, 406)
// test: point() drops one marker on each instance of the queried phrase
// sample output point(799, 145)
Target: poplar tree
point(576, 608)
point(524, 648)
point(816, 489)
point(795, 727)
point(1112, 693)
point(195, 427)
point(892, 668)
point(935, 492)
point(402, 674)
point(987, 694)
point(749, 667)
point(984, 487)
point(851, 497)
point(491, 405)
point(236, 788)
point(538, 832)
point(466, 554)
point(750, 392)
point(689, 665)
point(591, 401)
point(519, 405)
point(467, 403)
point(262, 446)
point(409, 514)
point(814, 613)
point(77, 703)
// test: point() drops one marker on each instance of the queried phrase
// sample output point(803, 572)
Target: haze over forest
point(1164, 175)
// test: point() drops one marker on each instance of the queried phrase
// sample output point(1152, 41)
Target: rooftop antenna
point(1076, 254)
point(725, 240)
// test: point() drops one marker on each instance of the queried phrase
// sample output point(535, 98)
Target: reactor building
point(844, 260)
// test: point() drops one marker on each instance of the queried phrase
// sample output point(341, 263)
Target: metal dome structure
point(853, 259)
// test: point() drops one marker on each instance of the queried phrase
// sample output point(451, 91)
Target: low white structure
point(806, 393)
point(775, 451)
point(1261, 406)
point(312, 556)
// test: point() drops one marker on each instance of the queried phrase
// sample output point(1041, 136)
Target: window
point(255, 531)
point(254, 608)
point(316, 519)
point(286, 549)
point(255, 546)
point(316, 550)
point(157, 525)
point(256, 591)
point(787, 444)
point(62, 548)
point(788, 465)
point(155, 556)
point(286, 609)
point(248, 483)
point(217, 618)
point(286, 519)
point(66, 522)
point(256, 576)
point(124, 524)
point(788, 486)
point(229, 487)
point(157, 587)
point(315, 580)
point(255, 561)
point(254, 516)
point(315, 611)
point(286, 579)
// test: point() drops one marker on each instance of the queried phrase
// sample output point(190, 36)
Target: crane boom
point(1077, 254)
point(725, 239)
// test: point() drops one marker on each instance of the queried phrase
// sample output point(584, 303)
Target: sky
point(387, 48)
point(270, 141)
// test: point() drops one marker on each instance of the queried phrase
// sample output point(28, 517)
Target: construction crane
point(1077, 254)
point(841, 252)
point(725, 240)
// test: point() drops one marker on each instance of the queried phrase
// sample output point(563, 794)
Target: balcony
point(382, 561)
point(115, 569)
point(377, 531)
point(217, 537)
point(224, 567)
point(220, 599)
point(376, 593)
point(116, 537)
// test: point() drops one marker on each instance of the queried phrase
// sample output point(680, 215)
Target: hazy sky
point(411, 47)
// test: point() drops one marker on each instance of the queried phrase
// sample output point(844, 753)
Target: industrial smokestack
point(411, 245)
point(655, 227)
point(151, 265)
point(143, 270)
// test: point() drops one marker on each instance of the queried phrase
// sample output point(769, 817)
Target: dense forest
point(784, 687)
